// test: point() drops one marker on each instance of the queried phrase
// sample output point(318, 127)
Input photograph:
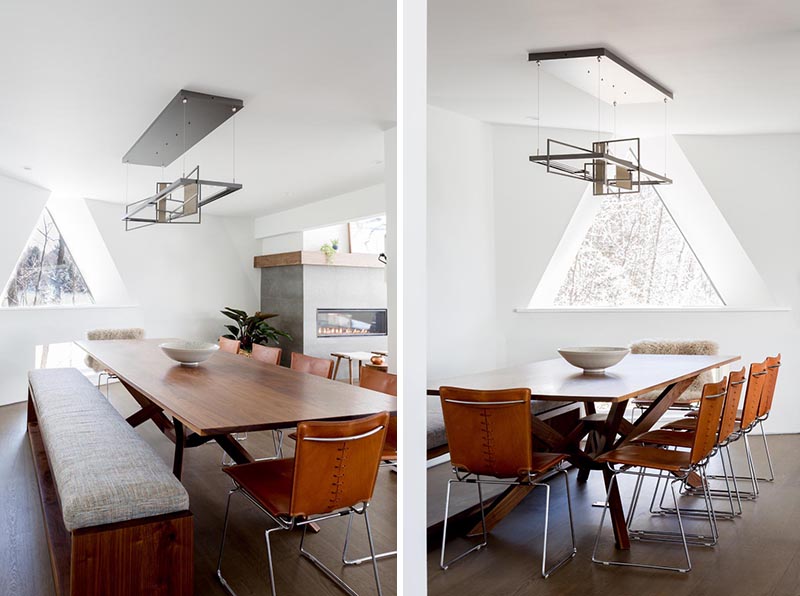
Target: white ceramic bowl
point(188, 353)
point(593, 359)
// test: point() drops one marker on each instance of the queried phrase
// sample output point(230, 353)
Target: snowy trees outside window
point(635, 255)
point(46, 273)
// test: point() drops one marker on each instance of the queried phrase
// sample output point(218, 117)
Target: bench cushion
point(437, 437)
point(103, 470)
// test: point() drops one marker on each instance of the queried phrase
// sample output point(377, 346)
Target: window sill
point(51, 307)
point(649, 309)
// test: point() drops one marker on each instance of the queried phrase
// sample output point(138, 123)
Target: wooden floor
point(25, 565)
point(758, 554)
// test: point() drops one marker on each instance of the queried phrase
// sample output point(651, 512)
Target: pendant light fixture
point(186, 120)
point(612, 166)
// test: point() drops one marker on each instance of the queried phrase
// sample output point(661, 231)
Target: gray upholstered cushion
point(437, 435)
point(103, 470)
point(693, 347)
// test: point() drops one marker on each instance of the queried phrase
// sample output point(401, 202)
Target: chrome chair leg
point(682, 534)
point(741, 494)
point(637, 490)
point(271, 570)
point(769, 457)
point(751, 465)
point(733, 476)
point(545, 571)
point(330, 574)
point(222, 545)
point(372, 552)
point(477, 547)
point(347, 561)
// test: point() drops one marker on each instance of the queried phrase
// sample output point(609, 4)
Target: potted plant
point(251, 329)
point(329, 250)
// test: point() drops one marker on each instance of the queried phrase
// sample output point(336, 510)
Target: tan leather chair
point(383, 382)
point(489, 435)
point(229, 345)
point(680, 464)
point(765, 407)
point(679, 439)
point(266, 354)
point(332, 474)
point(746, 420)
point(321, 367)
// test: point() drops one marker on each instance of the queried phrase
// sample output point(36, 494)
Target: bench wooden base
point(152, 555)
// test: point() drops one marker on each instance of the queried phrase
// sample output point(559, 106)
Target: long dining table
point(556, 380)
point(226, 394)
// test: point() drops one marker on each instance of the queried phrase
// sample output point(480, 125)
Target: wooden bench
point(117, 520)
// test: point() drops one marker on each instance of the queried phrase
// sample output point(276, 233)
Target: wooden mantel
point(315, 257)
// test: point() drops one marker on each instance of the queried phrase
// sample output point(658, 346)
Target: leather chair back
point(708, 419)
point(266, 354)
point(229, 345)
point(765, 405)
point(755, 389)
point(377, 380)
point(383, 382)
point(731, 409)
point(336, 464)
point(321, 367)
point(488, 432)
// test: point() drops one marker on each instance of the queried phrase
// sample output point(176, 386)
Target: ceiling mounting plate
point(163, 141)
point(602, 74)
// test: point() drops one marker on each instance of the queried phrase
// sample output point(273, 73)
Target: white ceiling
point(81, 80)
point(733, 65)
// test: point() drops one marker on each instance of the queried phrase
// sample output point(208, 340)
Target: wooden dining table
point(224, 395)
point(556, 380)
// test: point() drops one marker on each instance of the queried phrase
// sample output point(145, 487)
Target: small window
point(633, 255)
point(368, 235)
point(46, 273)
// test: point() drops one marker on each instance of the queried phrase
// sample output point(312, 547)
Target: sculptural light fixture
point(186, 120)
point(611, 165)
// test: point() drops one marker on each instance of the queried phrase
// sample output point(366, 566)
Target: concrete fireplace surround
point(296, 284)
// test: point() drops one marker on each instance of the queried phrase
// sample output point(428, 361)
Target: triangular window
point(46, 273)
point(634, 254)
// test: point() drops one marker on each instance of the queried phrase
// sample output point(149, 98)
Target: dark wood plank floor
point(758, 554)
point(25, 565)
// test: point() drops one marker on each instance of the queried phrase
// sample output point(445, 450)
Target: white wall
point(177, 277)
point(530, 211)
point(181, 276)
point(334, 210)
point(461, 268)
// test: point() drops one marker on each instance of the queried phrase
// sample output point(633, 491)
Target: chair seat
point(269, 482)
point(682, 424)
point(648, 457)
point(542, 462)
point(669, 438)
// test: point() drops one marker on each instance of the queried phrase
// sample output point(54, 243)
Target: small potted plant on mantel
point(329, 249)
point(251, 329)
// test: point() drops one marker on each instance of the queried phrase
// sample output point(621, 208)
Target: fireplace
point(343, 322)
point(325, 307)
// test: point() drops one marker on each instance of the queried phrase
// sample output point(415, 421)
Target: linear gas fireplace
point(339, 322)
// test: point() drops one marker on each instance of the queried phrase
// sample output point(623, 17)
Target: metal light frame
point(594, 164)
point(191, 205)
point(157, 146)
